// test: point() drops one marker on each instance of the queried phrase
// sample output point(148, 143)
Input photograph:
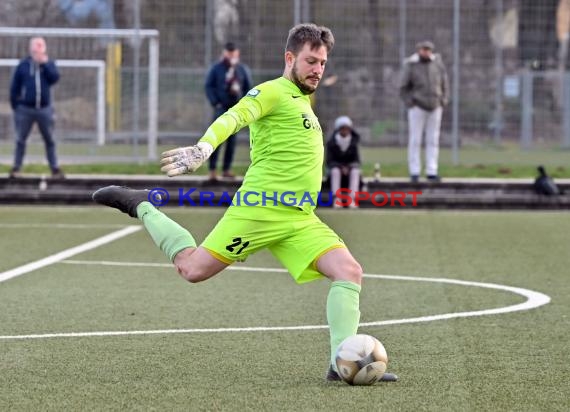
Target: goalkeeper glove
point(185, 159)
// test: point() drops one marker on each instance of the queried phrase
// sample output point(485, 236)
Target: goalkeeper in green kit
point(286, 158)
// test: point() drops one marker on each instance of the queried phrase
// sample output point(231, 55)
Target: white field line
point(533, 300)
point(59, 226)
point(57, 257)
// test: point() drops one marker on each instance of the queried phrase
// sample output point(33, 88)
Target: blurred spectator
point(425, 91)
point(227, 81)
point(31, 102)
point(343, 158)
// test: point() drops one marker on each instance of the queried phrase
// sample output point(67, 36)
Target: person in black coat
point(226, 83)
point(343, 158)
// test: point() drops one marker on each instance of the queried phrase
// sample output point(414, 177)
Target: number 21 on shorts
point(237, 246)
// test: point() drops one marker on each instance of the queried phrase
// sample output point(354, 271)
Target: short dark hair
point(316, 36)
point(230, 46)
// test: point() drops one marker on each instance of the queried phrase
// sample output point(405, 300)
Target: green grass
point(516, 361)
point(507, 161)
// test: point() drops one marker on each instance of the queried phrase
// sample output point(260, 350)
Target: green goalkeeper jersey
point(286, 143)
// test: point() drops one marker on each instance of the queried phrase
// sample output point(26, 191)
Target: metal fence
point(506, 58)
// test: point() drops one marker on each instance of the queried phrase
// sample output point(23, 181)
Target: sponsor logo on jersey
point(311, 122)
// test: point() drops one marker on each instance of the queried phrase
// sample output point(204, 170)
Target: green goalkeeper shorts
point(296, 238)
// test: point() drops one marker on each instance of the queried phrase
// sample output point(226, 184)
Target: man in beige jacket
point(424, 88)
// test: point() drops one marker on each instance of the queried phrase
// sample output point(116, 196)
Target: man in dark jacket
point(226, 83)
point(31, 102)
point(343, 158)
point(425, 91)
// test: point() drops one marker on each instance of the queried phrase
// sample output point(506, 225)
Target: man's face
point(307, 67)
point(37, 47)
point(232, 56)
point(425, 52)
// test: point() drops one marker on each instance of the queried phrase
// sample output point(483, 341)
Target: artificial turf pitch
point(513, 361)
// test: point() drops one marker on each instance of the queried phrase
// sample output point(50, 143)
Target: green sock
point(343, 313)
point(168, 235)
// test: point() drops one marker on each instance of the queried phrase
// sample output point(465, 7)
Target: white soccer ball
point(361, 360)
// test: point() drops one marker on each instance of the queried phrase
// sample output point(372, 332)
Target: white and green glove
point(184, 160)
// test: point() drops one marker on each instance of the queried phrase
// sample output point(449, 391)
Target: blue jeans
point(24, 119)
point(230, 145)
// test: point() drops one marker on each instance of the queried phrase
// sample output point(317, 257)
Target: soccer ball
point(361, 360)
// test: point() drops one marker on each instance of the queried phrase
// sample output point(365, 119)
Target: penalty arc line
point(64, 254)
point(533, 300)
